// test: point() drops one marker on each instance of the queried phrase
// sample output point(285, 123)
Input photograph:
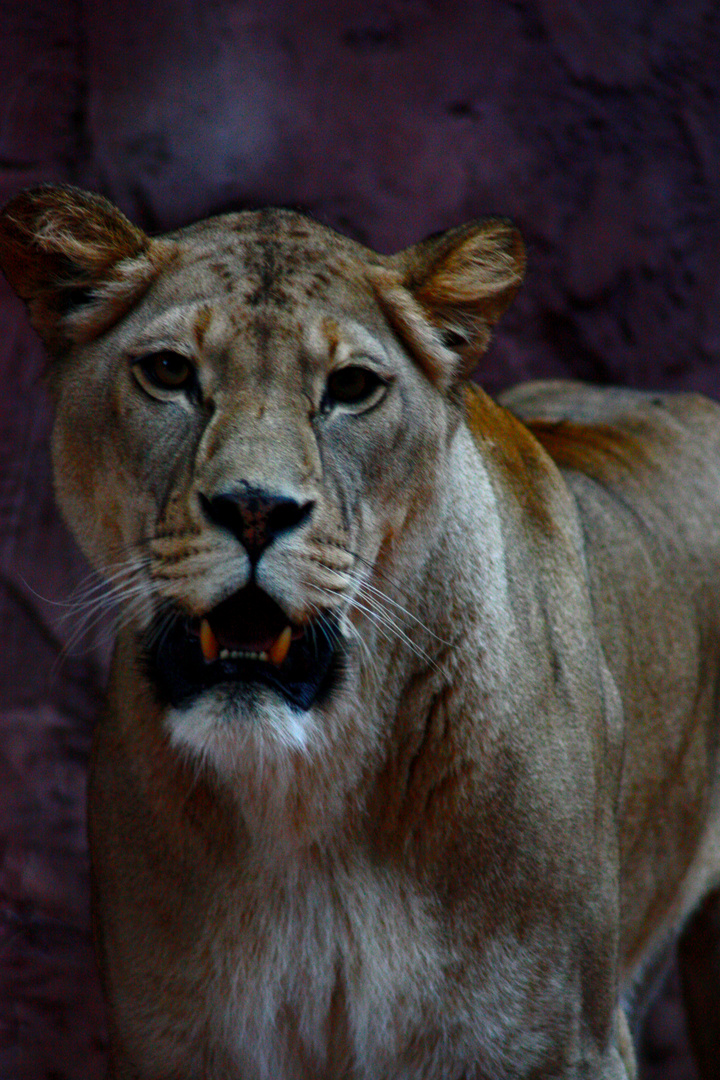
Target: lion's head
point(252, 421)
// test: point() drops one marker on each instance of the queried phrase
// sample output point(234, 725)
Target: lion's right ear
point(75, 260)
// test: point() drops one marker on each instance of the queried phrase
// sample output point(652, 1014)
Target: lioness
point(410, 765)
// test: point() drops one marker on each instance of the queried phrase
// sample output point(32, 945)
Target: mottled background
point(593, 123)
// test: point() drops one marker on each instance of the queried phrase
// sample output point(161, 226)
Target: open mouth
point(245, 640)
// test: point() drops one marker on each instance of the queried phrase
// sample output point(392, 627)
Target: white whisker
point(374, 597)
point(105, 584)
point(364, 586)
point(383, 622)
point(119, 591)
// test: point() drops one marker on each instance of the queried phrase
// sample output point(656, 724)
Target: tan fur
point(461, 862)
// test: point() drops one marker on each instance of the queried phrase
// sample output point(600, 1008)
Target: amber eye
point(165, 370)
point(353, 385)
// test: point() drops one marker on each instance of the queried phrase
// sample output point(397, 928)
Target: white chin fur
point(233, 736)
point(291, 772)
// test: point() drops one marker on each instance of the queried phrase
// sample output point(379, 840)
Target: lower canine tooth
point(279, 648)
point(208, 642)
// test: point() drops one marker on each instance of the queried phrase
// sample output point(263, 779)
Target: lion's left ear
point(444, 295)
point(76, 261)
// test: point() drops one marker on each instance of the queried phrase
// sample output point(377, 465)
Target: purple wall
point(593, 123)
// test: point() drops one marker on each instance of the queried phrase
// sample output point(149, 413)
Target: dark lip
point(176, 666)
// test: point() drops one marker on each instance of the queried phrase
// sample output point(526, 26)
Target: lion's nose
point(255, 516)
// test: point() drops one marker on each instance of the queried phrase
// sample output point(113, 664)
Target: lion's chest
point(324, 973)
point(358, 975)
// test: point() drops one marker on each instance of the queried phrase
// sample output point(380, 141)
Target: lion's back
point(650, 458)
point(644, 469)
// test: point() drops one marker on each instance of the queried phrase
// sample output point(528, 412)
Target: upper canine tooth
point(279, 648)
point(208, 642)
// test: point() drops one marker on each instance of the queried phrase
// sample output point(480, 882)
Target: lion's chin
point(243, 643)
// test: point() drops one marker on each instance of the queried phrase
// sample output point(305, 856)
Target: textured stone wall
point(592, 123)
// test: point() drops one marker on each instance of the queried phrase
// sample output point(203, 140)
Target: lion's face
point(252, 449)
point(252, 423)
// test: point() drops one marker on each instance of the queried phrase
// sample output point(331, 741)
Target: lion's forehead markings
point(272, 279)
point(226, 275)
point(273, 260)
point(202, 322)
point(270, 259)
point(318, 285)
point(272, 340)
point(258, 343)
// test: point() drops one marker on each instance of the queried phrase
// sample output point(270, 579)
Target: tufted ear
point(444, 295)
point(75, 260)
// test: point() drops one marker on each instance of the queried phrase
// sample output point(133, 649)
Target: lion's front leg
point(616, 1061)
point(625, 1048)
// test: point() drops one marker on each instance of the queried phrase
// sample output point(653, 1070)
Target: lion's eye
point(353, 385)
point(168, 370)
point(165, 370)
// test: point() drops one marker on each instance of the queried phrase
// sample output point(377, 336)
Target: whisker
point(104, 591)
point(102, 585)
point(387, 626)
point(119, 590)
point(88, 615)
point(45, 599)
point(95, 582)
point(333, 634)
point(367, 658)
point(365, 586)
point(383, 622)
point(375, 609)
point(160, 630)
point(375, 570)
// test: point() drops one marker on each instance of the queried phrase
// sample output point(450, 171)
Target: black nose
point(255, 516)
